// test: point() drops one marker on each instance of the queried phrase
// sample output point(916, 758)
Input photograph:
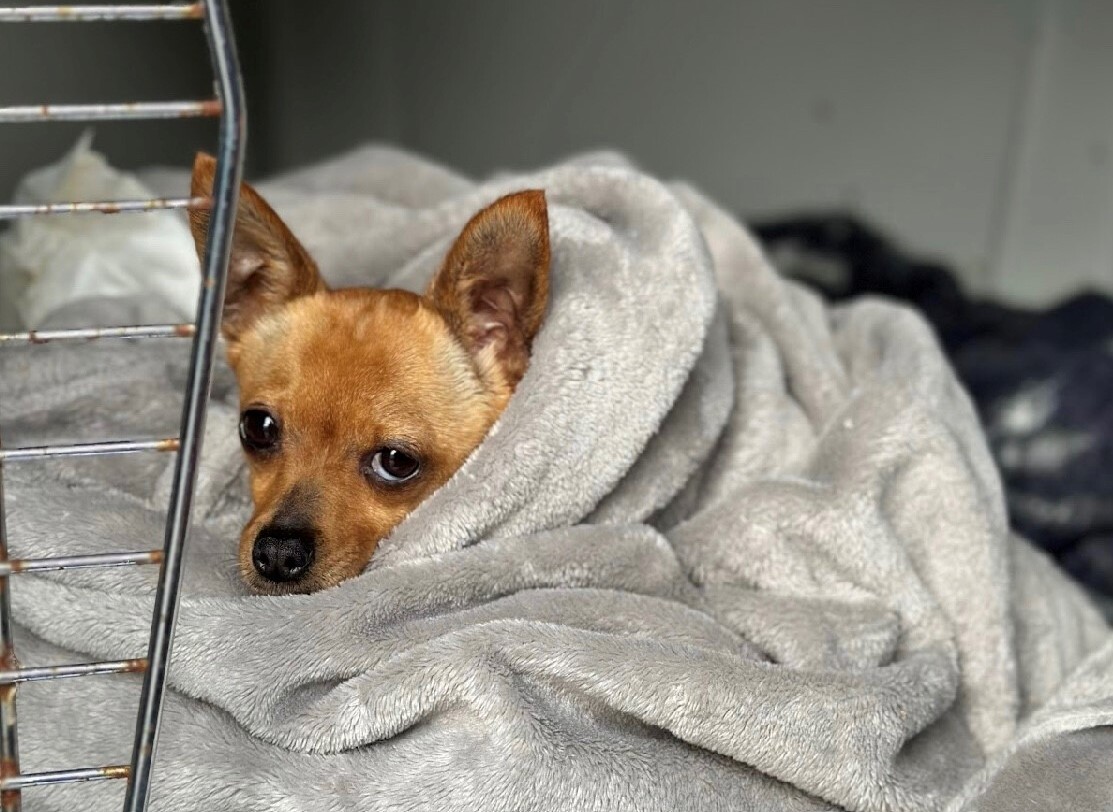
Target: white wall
point(979, 131)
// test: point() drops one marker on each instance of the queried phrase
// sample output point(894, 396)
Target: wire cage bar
point(12, 212)
point(88, 449)
point(79, 562)
point(102, 13)
point(75, 670)
point(17, 783)
point(229, 106)
point(114, 111)
point(93, 333)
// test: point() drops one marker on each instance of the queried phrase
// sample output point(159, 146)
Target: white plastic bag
point(49, 262)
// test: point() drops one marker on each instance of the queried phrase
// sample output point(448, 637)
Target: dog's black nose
point(281, 554)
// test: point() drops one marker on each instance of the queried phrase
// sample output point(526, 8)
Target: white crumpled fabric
point(52, 262)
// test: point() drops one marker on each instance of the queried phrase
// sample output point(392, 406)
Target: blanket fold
point(728, 547)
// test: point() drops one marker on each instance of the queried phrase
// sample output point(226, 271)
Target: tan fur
point(349, 371)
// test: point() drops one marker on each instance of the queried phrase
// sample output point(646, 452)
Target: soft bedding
point(728, 548)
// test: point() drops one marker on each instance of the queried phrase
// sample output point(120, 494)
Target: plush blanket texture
point(728, 548)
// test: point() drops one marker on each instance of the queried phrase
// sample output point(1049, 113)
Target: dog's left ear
point(494, 285)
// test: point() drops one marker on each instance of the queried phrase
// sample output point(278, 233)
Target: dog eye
point(258, 430)
point(391, 466)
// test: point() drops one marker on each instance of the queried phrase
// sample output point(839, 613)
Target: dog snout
point(283, 554)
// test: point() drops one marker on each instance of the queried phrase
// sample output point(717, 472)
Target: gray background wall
point(100, 62)
point(979, 131)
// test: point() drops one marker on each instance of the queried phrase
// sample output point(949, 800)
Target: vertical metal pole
point(10, 799)
point(229, 170)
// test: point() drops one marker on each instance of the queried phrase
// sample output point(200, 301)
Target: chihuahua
point(356, 404)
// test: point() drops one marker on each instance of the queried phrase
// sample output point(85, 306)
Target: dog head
point(356, 404)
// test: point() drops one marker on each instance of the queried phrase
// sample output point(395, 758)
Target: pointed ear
point(494, 286)
point(268, 266)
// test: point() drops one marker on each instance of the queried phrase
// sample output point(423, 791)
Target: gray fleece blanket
point(728, 548)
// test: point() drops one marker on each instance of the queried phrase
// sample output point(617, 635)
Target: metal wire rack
point(228, 105)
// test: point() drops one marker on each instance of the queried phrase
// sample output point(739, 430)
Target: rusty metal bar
point(225, 193)
point(93, 333)
point(49, 672)
point(79, 562)
point(16, 783)
point(122, 111)
point(87, 449)
point(11, 212)
point(10, 798)
point(229, 105)
point(101, 13)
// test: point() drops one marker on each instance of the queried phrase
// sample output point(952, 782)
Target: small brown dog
point(356, 404)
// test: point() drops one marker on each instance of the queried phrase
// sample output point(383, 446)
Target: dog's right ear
point(268, 266)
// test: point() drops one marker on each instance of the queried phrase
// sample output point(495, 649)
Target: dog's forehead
point(367, 329)
point(365, 352)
